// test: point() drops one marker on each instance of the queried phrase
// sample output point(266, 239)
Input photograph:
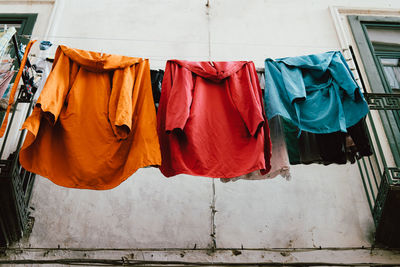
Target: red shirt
point(211, 120)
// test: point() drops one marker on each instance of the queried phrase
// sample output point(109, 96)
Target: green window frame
point(27, 21)
point(371, 55)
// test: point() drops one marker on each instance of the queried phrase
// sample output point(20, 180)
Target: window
point(378, 41)
point(23, 23)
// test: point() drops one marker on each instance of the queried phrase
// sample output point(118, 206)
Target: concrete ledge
point(204, 257)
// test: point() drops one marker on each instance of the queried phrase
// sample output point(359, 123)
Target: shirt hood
point(314, 62)
point(218, 72)
point(95, 61)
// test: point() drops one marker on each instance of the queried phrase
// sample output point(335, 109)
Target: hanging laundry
point(279, 156)
point(44, 45)
point(292, 141)
point(321, 101)
point(302, 149)
point(156, 82)
point(42, 67)
point(317, 93)
point(309, 149)
point(211, 120)
point(5, 68)
point(351, 150)
point(6, 64)
point(7, 91)
point(261, 78)
point(5, 81)
point(336, 147)
point(5, 40)
point(13, 90)
point(94, 123)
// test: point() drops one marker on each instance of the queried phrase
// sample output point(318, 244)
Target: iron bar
point(365, 188)
point(373, 173)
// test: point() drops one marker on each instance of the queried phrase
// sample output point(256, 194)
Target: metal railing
point(380, 172)
point(15, 182)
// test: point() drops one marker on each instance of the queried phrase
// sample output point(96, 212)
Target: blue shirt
point(318, 93)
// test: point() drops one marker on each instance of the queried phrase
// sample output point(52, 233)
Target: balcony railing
point(15, 183)
point(381, 172)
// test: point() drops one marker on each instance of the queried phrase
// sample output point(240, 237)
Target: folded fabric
point(317, 93)
point(211, 120)
point(94, 123)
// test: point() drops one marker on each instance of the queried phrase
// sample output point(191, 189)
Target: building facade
point(324, 214)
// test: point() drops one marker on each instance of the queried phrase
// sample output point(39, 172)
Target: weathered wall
point(320, 206)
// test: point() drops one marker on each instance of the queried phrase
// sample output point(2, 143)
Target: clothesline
point(161, 59)
point(237, 115)
point(164, 59)
point(39, 37)
point(146, 57)
point(176, 117)
point(259, 69)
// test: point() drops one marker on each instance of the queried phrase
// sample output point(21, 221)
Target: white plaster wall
point(43, 8)
point(320, 206)
point(146, 211)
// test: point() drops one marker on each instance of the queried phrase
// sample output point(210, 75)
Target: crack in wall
point(208, 7)
point(213, 245)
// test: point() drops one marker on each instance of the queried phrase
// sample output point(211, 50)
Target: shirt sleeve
point(343, 76)
point(179, 98)
point(56, 88)
point(245, 94)
point(121, 101)
point(293, 81)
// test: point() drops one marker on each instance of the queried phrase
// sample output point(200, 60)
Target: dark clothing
point(337, 147)
point(358, 133)
point(308, 148)
point(156, 81)
point(292, 142)
point(332, 147)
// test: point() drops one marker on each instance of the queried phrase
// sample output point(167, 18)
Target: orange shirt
point(94, 123)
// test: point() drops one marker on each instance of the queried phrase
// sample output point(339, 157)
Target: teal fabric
point(317, 93)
